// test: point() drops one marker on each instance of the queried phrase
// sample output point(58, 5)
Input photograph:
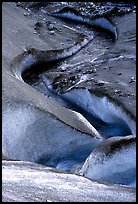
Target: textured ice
point(113, 162)
point(25, 181)
point(32, 135)
point(102, 108)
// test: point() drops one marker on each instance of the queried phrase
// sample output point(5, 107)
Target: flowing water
point(61, 81)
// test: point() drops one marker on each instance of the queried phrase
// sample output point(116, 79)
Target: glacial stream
point(109, 118)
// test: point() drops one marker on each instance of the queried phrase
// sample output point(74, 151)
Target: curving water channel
point(107, 117)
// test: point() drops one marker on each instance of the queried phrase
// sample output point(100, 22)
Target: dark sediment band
point(23, 62)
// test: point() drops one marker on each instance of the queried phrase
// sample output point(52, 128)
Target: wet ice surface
point(112, 161)
point(28, 130)
point(109, 120)
point(107, 117)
